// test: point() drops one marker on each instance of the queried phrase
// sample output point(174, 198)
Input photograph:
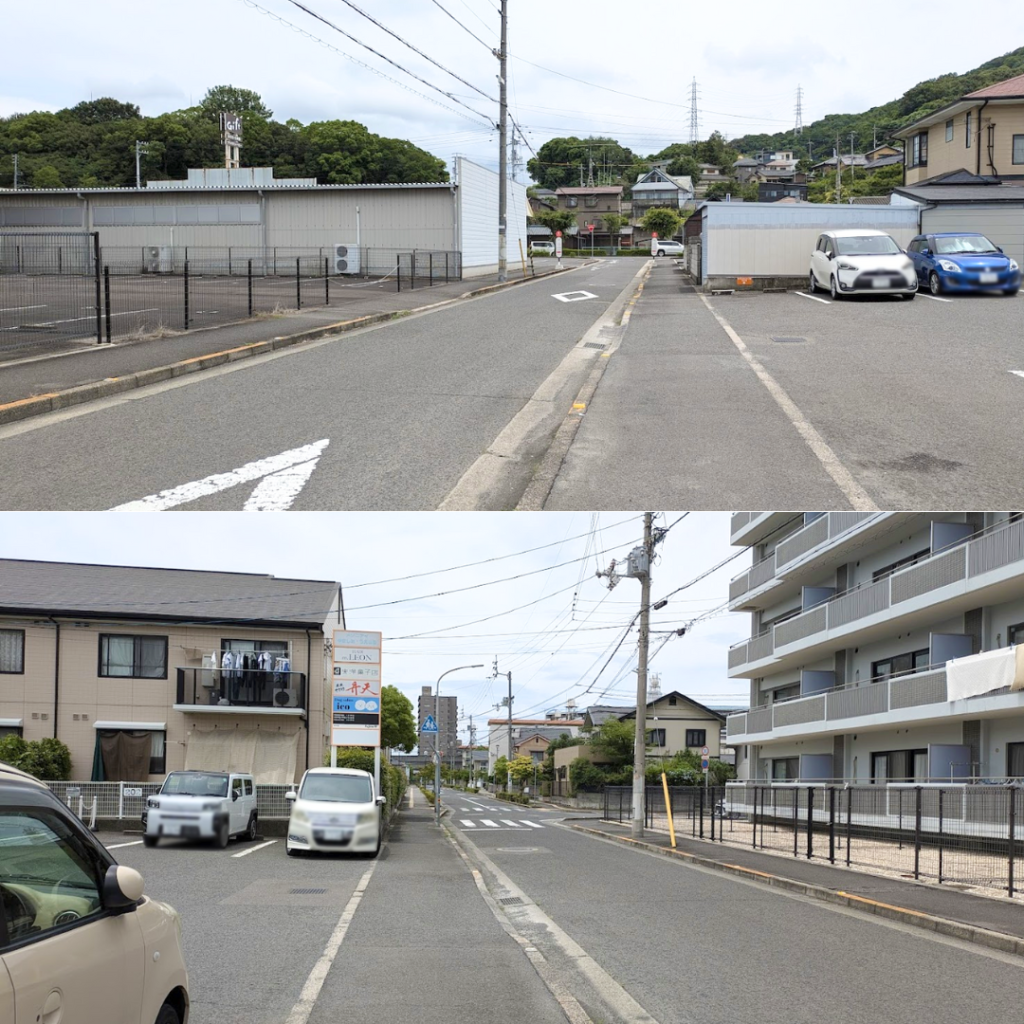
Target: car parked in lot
point(857, 260)
point(79, 942)
point(202, 805)
point(542, 248)
point(335, 810)
point(963, 261)
point(666, 247)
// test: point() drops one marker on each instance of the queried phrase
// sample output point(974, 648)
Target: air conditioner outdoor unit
point(346, 259)
point(286, 697)
point(152, 259)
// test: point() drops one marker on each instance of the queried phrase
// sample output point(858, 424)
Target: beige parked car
point(79, 942)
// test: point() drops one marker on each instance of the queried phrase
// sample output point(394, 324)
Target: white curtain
point(12, 650)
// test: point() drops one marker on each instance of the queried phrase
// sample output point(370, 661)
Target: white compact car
point(202, 805)
point(859, 260)
point(335, 811)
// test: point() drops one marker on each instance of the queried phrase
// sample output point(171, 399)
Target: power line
point(437, 3)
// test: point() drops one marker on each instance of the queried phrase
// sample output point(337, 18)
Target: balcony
point(837, 710)
point(962, 575)
point(220, 691)
point(749, 528)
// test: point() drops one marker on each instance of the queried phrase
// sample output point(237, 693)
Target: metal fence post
point(229, 261)
point(917, 832)
point(120, 799)
point(412, 270)
point(1013, 838)
point(327, 282)
point(810, 822)
point(446, 268)
point(96, 263)
point(248, 272)
point(754, 820)
point(398, 272)
point(941, 792)
point(298, 284)
point(60, 259)
point(831, 824)
point(431, 270)
point(701, 812)
point(106, 297)
point(849, 823)
point(186, 294)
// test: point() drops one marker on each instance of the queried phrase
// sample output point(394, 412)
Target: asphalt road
point(406, 409)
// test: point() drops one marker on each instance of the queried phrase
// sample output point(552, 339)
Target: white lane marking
point(532, 824)
point(14, 309)
point(469, 824)
point(307, 998)
point(854, 493)
point(489, 823)
point(253, 849)
point(935, 298)
point(275, 493)
point(76, 319)
point(264, 493)
point(514, 824)
point(816, 298)
point(1019, 373)
point(117, 846)
point(574, 296)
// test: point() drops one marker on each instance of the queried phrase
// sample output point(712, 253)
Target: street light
point(437, 737)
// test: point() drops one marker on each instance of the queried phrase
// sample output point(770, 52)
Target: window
point(1015, 760)
point(1018, 149)
point(1015, 634)
point(571, 201)
point(785, 692)
point(12, 651)
point(655, 737)
point(899, 766)
point(237, 787)
point(672, 702)
point(248, 787)
point(64, 876)
point(887, 570)
point(696, 737)
point(10, 730)
point(919, 150)
point(126, 753)
point(901, 664)
point(133, 657)
point(785, 769)
point(967, 127)
point(590, 201)
point(949, 130)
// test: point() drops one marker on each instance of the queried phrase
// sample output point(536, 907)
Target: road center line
point(816, 298)
point(118, 846)
point(854, 493)
point(253, 849)
point(311, 990)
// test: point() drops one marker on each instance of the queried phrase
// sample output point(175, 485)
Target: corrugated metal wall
point(1002, 223)
point(776, 239)
point(478, 218)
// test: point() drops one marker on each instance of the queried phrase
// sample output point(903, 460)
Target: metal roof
point(1002, 193)
point(104, 591)
point(125, 190)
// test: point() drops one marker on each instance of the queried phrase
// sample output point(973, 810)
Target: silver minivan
point(861, 260)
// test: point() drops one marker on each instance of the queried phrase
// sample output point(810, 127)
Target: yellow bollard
point(668, 810)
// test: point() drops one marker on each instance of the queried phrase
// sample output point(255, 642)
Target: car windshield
point(196, 784)
point(343, 789)
point(963, 244)
point(866, 245)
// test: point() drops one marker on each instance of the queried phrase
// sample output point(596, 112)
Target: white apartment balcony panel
point(986, 569)
point(748, 528)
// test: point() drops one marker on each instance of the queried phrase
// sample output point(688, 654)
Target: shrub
point(393, 780)
point(47, 759)
point(516, 798)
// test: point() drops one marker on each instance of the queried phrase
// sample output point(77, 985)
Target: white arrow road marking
point(286, 474)
point(574, 296)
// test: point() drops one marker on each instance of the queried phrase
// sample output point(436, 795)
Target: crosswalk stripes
point(522, 825)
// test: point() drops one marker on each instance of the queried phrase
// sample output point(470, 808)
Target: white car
point(79, 941)
point(854, 260)
point(202, 805)
point(335, 811)
point(667, 247)
point(542, 248)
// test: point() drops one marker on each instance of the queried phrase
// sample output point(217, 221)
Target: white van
point(202, 805)
point(666, 247)
point(335, 811)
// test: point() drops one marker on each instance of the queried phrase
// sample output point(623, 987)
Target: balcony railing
point(984, 553)
point(241, 688)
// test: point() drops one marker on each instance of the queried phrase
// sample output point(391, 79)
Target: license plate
point(172, 830)
point(988, 278)
point(880, 282)
point(336, 835)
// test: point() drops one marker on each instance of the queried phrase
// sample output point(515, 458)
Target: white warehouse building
point(254, 215)
point(885, 647)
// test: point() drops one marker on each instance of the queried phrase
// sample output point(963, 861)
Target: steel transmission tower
point(694, 126)
point(799, 110)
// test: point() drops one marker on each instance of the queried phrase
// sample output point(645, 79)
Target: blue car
point(962, 261)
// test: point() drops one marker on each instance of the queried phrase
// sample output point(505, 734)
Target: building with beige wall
point(142, 671)
point(982, 132)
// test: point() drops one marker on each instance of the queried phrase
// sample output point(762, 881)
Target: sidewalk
point(70, 373)
point(996, 923)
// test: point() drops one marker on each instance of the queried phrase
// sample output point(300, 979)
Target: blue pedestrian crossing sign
point(429, 725)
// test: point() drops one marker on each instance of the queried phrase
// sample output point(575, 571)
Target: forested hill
point(879, 122)
point(93, 145)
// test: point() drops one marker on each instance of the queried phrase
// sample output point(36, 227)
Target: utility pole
point(839, 172)
point(140, 148)
point(851, 155)
point(15, 170)
point(799, 110)
point(640, 738)
point(508, 700)
point(502, 143)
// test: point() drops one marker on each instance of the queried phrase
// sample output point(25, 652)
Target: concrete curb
point(38, 405)
point(943, 926)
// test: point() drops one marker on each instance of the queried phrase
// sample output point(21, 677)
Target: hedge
point(393, 780)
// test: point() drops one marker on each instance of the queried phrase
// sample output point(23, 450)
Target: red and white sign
point(356, 681)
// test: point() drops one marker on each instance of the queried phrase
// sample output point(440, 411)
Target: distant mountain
point(879, 123)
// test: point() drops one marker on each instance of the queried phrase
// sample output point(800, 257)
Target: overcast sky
point(748, 63)
point(553, 628)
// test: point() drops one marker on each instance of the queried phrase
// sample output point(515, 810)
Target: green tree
point(685, 165)
point(613, 222)
point(235, 101)
point(102, 110)
point(662, 220)
point(397, 725)
point(558, 161)
point(47, 176)
point(47, 759)
point(556, 220)
point(585, 775)
point(521, 768)
point(746, 191)
point(501, 771)
point(12, 750)
point(613, 742)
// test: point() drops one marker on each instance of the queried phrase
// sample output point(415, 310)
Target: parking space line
point(1019, 373)
point(936, 298)
point(843, 478)
point(253, 849)
point(804, 295)
point(117, 846)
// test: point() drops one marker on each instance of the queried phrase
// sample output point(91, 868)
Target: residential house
point(858, 161)
point(589, 204)
point(533, 745)
point(658, 188)
point(983, 132)
point(882, 156)
point(498, 740)
point(141, 671)
point(883, 646)
point(773, 191)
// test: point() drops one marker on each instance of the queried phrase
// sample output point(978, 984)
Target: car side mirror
point(382, 800)
point(925, 251)
point(122, 889)
point(234, 794)
point(290, 795)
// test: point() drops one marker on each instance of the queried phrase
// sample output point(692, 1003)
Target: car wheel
point(660, 252)
point(934, 284)
point(250, 831)
point(223, 835)
point(812, 285)
point(373, 853)
point(149, 840)
point(1010, 292)
point(168, 1015)
point(832, 289)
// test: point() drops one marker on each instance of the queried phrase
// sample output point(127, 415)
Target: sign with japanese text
point(356, 683)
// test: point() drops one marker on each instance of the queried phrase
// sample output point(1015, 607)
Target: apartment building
point(141, 671)
point(445, 711)
point(882, 646)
